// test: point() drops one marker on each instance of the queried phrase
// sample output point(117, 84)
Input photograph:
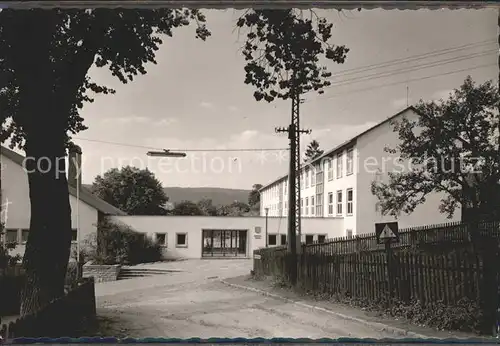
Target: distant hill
point(219, 196)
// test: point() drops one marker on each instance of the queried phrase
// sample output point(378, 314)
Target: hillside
point(219, 196)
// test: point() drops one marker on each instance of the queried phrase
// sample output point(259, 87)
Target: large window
point(339, 203)
point(349, 201)
point(330, 203)
point(319, 204)
point(271, 240)
point(350, 161)
point(161, 239)
point(309, 239)
point(11, 236)
point(307, 206)
point(283, 239)
point(312, 205)
point(181, 240)
point(24, 235)
point(339, 165)
point(329, 164)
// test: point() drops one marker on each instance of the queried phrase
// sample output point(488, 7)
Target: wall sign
point(258, 230)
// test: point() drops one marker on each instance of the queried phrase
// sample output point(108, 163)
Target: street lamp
point(267, 212)
point(166, 153)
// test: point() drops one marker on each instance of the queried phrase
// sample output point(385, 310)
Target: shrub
point(120, 244)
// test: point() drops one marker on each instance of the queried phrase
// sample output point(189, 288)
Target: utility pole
point(294, 215)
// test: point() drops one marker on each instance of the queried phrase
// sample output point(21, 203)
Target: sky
point(195, 97)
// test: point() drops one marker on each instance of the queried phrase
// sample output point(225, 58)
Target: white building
point(338, 184)
point(16, 204)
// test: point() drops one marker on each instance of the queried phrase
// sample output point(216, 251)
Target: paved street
point(194, 304)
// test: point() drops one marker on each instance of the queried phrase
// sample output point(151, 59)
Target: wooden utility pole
point(294, 215)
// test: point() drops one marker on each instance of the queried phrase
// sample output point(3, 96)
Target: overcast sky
point(195, 98)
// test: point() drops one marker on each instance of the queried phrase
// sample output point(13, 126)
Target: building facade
point(338, 183)
point(16, 204)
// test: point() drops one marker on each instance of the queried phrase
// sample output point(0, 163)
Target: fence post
point(390, 267)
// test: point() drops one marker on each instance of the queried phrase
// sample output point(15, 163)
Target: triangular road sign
point(387, 233)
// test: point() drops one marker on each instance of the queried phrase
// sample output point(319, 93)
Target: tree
point(283, 50)
point(254, 195)
point(133, 190)
point(454, 147)
point(234, 209)
point(207, 208)
point(187, 208)
point(45, 56)
point(313, 151)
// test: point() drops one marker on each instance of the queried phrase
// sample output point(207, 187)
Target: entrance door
point(224, 243)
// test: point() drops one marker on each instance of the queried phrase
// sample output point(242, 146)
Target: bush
point(120, 244)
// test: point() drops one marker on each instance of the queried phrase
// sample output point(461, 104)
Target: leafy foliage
point(313, 151)
point(133, 190)
point(234, 209)
point(187, 208)
point(123, 40)
point(120, 244)
point(254, 195)
point(453, 147)
point(207, 207)
point(283, 50)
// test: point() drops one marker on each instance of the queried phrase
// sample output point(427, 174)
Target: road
point(195, 304)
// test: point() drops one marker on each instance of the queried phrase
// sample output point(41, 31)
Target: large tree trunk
point(48, 247)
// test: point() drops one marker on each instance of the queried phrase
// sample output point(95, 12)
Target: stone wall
point(101, 273)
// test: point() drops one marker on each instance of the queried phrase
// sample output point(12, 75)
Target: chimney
point(75, 166)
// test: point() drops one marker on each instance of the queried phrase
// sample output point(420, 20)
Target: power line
point(186, 150)
point(402, 82)
point(412, 68)
point(411, 58)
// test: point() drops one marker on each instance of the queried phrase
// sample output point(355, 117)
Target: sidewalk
point(399, 327)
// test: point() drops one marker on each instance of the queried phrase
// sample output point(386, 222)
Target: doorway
point(224, 243)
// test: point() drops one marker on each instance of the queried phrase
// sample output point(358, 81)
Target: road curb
point(375, 325)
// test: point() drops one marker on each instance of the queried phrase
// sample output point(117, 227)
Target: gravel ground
point(196, 304)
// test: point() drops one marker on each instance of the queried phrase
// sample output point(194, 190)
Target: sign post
point(388, 233)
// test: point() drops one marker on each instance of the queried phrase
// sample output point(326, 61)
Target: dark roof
point(345, 144)
point(85, 195)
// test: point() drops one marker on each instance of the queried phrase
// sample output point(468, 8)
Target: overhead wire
point(410, 58)
point(185, 150)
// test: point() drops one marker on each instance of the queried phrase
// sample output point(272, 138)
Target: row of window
point(20, 236)
point(308, 207)
point(181, 239)
point(309, 179)
point(280, 239)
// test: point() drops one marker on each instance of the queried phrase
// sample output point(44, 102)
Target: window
point(339, 202)
point(321, 238)
point(313, 177)
point(24, 235)
point(349, 233)
point(181, 240)
point(350, 161)
point(271, 239)
point(307, 179)
point(307, 206)
point(161, 239)
point(74, 235)
point(309, 239)
point(283, 239)
point(301, 180)
point(302, 206)
point(286, 187)
point(330, 203)
point(319, 204)
point(329, 164)
point(339, 165)
point(11, 236)
point(312, 205)
point(349, 201)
